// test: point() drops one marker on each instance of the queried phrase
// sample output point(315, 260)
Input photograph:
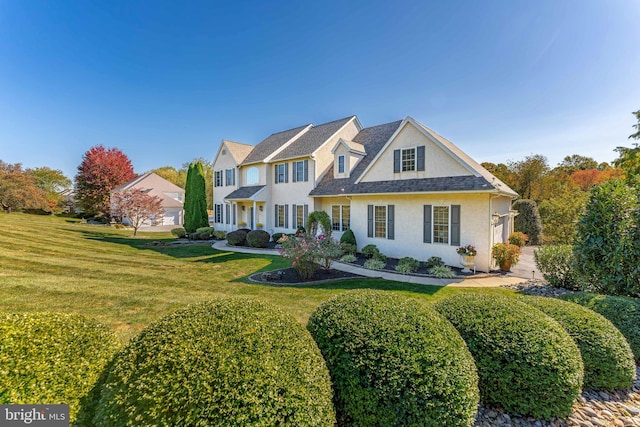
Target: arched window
point(253, 176)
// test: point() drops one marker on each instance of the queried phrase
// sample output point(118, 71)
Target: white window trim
point(415, 159)
point(284, 173)
point(433, 225)
point(344, 166)
point(294, 167)
point(386, 221)
point(296, 225)
point(284, 214)
point(340, 219)
point(257, 175)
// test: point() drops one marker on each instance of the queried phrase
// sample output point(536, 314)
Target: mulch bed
point(390, 267)
point(289, 276)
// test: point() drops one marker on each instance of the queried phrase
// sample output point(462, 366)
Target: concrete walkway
point(471, 282)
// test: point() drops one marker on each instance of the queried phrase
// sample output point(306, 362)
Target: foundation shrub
point(434, 261)
point(608, 359)
point(348, 248)
point(374, 264)
point(408, 265)
point(394, 361)
point(258, 238)
point(179, 232)
point(527, 363)
point(442, 272)
point(276, 236)
point(623, 312)
point(237, 238)
point(223, 362)
point(51, 358)
point(348, 237)
point(369, 251)
point(220, 234)
point(348, 258)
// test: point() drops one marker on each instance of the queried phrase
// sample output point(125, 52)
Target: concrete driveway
point(526, 267)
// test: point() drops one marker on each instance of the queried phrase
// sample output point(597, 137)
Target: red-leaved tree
point(101, 171)
point(137, 207)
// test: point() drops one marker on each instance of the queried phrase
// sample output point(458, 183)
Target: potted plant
point(505, 255)
point(259, 226)
point(467, 257)
point(241, 224)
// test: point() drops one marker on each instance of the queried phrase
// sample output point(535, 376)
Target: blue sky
point(166, 81)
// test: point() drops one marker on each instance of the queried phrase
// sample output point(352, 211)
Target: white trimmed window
point(218, 213)
point(408, 156)
point(281, 216)
point(230, 177)
point(441, 224)
point(299, 213)
point(340, 217)
point(300, 171)
point(281, 172)
point(341, 164)
point(380, 221)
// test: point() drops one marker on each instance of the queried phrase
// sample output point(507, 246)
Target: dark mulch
point(289, 276)
point(393, 262)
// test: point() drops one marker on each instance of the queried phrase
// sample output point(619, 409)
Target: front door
point(252, 225)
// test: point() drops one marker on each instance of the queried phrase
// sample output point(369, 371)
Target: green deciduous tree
point(195, 203)
point(529, 174)
point(528, 220)
point(560, 213)
point(53, 183)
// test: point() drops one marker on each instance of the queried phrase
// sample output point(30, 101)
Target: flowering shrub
point(468, 250)
point(328, 250)
point(306, 251)
point(518, 238)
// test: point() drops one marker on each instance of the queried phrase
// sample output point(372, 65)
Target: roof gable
point(313, 139)
point(150, 180)
point(274, 144)
point(238, 150)
point(352, 147)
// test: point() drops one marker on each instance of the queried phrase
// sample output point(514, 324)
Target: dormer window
point(341, 164)
point(408, 159)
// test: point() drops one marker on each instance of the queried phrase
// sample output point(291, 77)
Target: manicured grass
point(58, 264)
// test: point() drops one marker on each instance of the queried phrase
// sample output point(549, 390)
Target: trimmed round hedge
point(223, 362)
point(623, 312)
point(527, 363)
point(394, 362)
point(237, 238)
point(258, 238)
point(51, 357)
point(607, 357)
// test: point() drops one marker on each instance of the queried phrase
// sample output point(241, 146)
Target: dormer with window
point(346, 154)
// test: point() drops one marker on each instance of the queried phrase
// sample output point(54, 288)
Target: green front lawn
point(58, 264)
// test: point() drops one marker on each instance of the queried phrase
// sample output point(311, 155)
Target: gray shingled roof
point(271, 144)
point(373, 139)
point(418, 185)
point(244, 192)
point(311, 140)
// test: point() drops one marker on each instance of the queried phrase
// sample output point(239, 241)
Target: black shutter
point(286, 172)
point(233, 216)
point(295, 216)
point(420, 155)
point(228, 214)
point(294, 172)
point(390, 222)
point(286, 216)
point(369, 220)
point(455, 225)
point(233, 177)
point(306, 215)
point(396, 161)
point(427, 224)
point(275, 169)
point(306, 170)
point(275, 219)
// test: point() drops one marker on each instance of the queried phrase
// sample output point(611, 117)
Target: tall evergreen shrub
point(606, 250)
point(195, 201)
point(528, 220)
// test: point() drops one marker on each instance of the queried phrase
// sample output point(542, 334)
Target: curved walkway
point(471, 282)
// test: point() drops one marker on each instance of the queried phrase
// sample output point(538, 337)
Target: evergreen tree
point(195, 201)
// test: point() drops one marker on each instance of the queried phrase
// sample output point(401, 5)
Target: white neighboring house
point(398, 185)
point(172, 197)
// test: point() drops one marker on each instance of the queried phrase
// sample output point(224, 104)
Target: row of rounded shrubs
point(391, 359)
point(202, 233)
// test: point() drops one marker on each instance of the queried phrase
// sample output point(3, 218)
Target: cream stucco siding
point(323, 156)
point(438, 163)
point(350, 161)
point(475, 223)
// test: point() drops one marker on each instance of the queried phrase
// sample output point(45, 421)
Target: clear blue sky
point(166, 81)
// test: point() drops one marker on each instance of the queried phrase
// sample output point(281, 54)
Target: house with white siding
point(398, 185)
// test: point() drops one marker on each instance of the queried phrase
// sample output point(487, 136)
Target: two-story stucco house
point(398, 185)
